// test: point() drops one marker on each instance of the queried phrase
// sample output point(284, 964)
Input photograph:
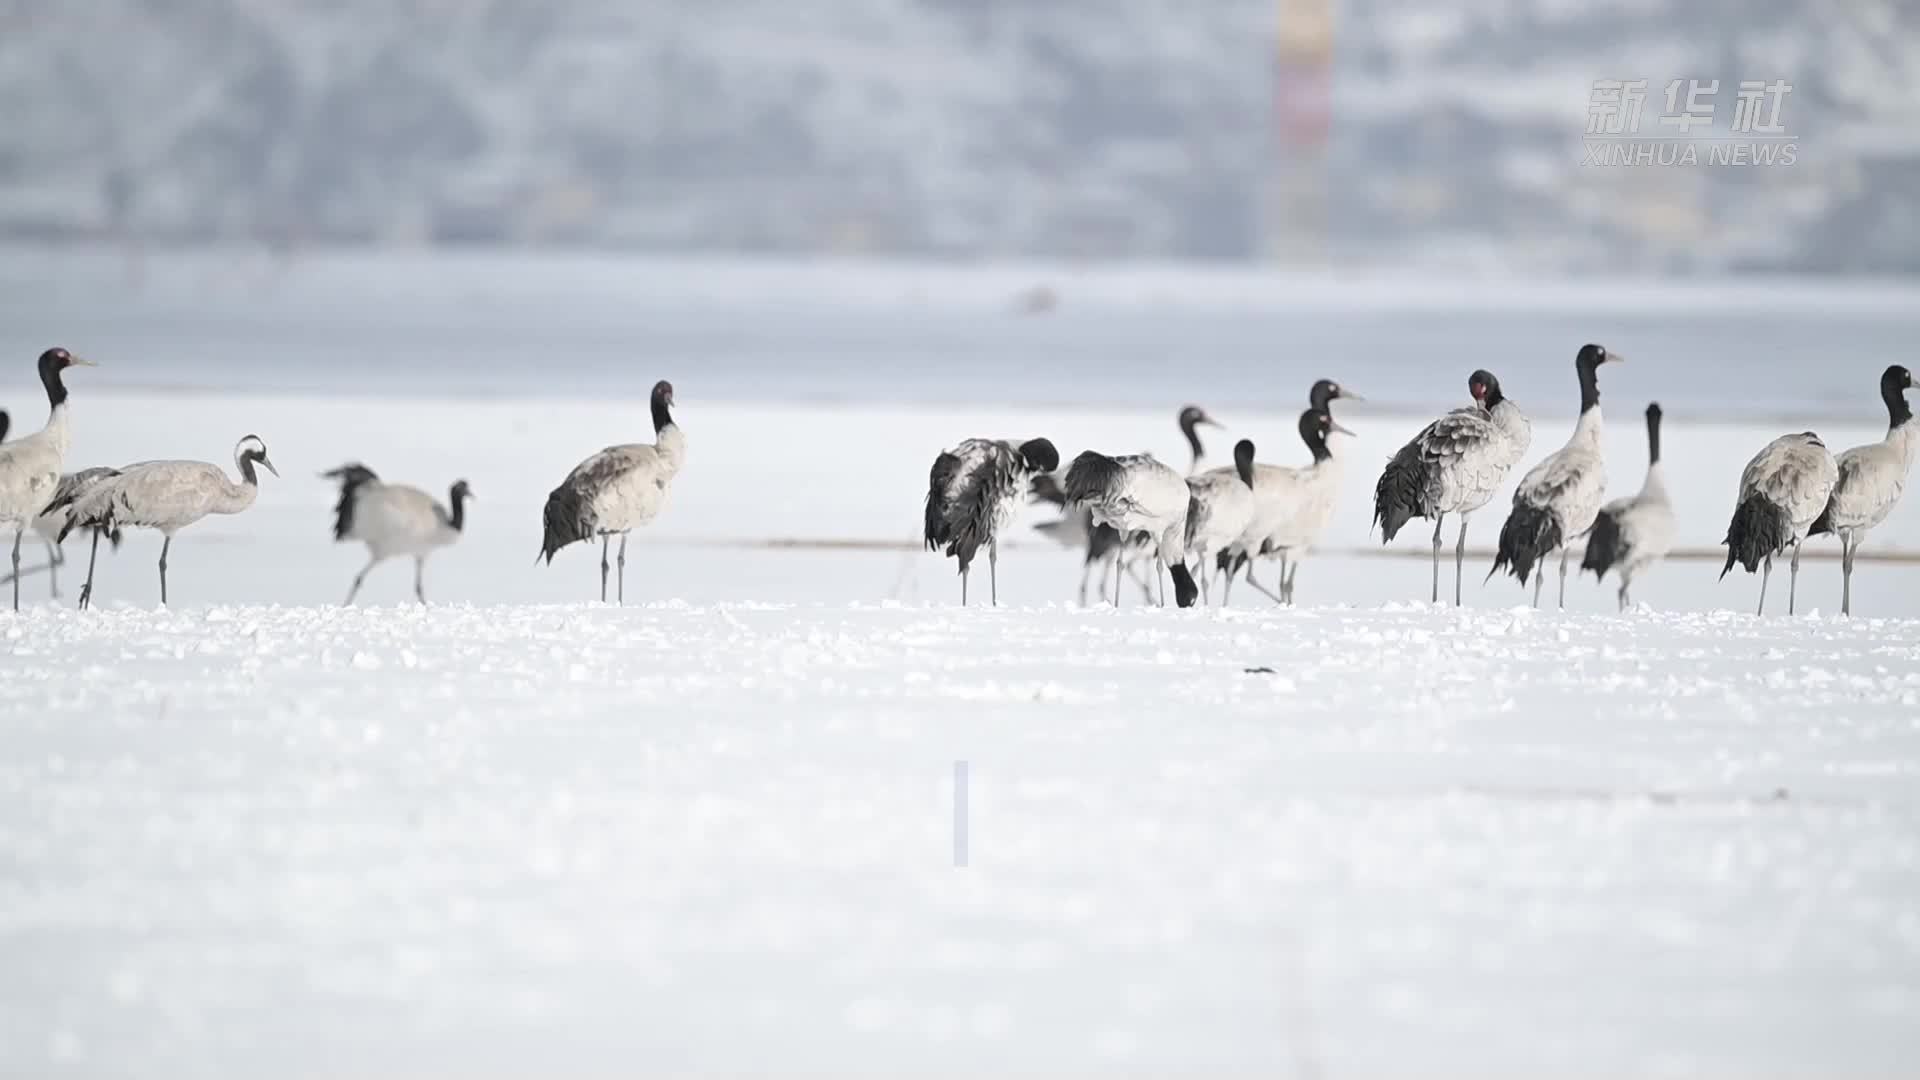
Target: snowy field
point(717, 832)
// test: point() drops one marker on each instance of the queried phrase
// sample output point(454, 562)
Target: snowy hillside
point(1107, 128)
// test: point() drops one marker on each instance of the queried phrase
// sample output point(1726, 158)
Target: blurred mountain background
point(1445, 133)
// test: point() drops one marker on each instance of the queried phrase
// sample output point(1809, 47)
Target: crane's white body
point(1221, 506)
point(625, 487)
point(30, 471)
point(1140, 494)
point(1646, 528)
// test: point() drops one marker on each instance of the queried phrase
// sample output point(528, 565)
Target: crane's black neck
point(1493, 396)
point(1653, 436)
point(661, 418)
point(5, 423)
point(458, 498)
point(1894, 394)
point(1314, 434)
point(1193, 437)
point(1243, 461)
point(50, 378)
point(1589, 386)
point(247, 472)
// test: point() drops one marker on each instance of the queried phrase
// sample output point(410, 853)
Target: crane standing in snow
point(1291, 507)
point(1136, 493)
point(1782, 491)
point(1871, 479)
point(973, 491)
point(394, 520)
point(1219, 508)
point(1559, 498)
point(167, 496)
point(53, 520)
point(1103, 545)
point(30, 468)
point(617, 491)
point(1453, 466)
point(1632, 534)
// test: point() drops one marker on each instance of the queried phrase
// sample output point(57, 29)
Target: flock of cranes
point(1134, 515)
point(611, 493)
point(1132, 509)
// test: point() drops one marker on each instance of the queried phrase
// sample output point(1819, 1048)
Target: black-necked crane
point(1783, 490)
point(617, 491)
point(52, 521)
point(973, 492)
point(395, 520)
point(1137, 493)
point(167, 496)
point(1074, 530)
point(1453, 466)
point(1633, 533)
point(1871, 480)
point(30, 468)
point(1219, 508)
point(1291, 507)
point(1558, 499)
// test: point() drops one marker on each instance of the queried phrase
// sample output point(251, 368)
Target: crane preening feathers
point(973, 491)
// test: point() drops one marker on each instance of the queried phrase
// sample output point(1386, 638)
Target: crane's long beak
point(1350, 395)
point(1615, 358)
point(268, 465)
point(1335, 425)
point(1210, 422)
point(77, 362)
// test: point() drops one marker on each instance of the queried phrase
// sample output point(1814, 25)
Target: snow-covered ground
point(719, 839)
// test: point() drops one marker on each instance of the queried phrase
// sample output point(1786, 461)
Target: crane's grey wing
point(987, 484)
point(1795, 473)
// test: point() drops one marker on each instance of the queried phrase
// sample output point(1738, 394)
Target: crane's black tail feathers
point(1605, 547)
point(1759, 529)
point(1193, 520)
point(1398, 496)
point(352, 476)
point(1185, 590)
point(567, 521)
point(1529, 534)
point(1091, 475)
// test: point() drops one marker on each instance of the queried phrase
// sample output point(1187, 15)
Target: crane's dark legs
point(165, 545)
point(1563, 578)
point(606, 541)
point(1793, 578)
point(1623, 595)
point(1086, 571)
point(17, 533)
point(54, 561)
point(1286, 585)
point(1847, 545)
point(1206, 592)
point(419, 573)
point(1459, 560)
point(993, 570)
point(963, 588)
point(358, 579)
point(1539, 580)
point(1160, 574)
point(86, 591)
point(1116, 577)
point(622, 560)
point(1437, 519)
point(1766, 571)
